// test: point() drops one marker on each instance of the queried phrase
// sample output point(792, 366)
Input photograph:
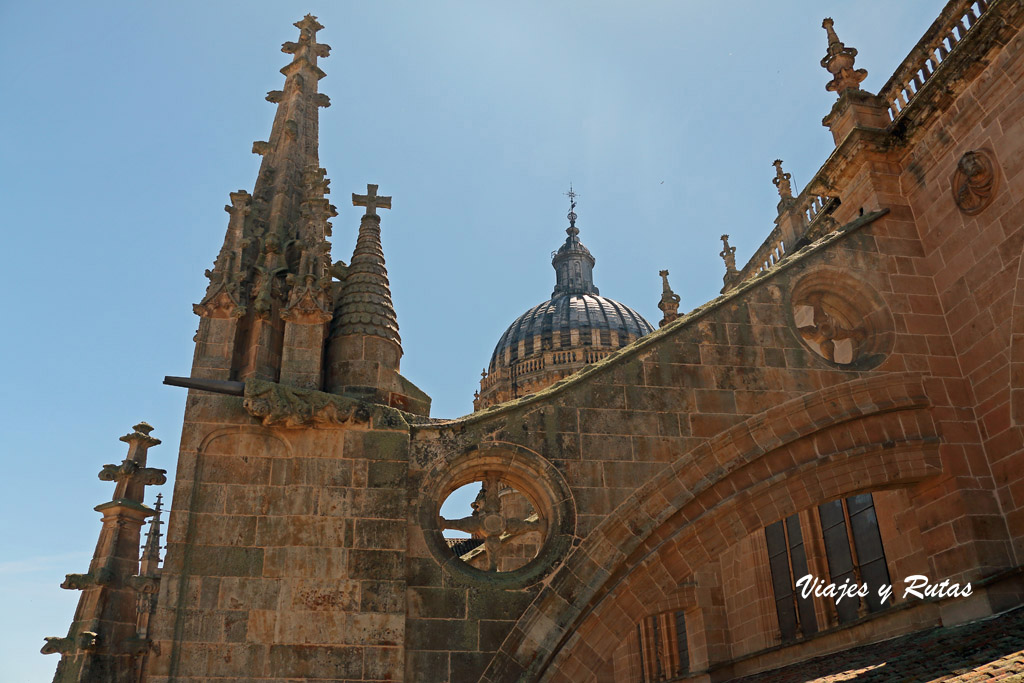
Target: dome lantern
point(573, 262)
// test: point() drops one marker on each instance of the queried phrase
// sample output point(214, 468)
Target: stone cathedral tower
point(851, 408)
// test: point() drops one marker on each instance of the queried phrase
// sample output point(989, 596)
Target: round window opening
point(842, 319)
point(492, 526)
point(498, 515)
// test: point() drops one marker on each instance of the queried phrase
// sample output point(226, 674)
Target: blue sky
point(127, 125)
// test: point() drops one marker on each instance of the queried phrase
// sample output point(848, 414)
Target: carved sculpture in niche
point(496, 528)
point(974, 183)
point(842, 319)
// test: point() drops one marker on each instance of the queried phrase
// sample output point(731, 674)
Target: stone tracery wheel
point(524, 503)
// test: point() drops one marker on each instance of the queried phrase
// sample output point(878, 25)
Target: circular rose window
point(842, 319)
point(501, 514)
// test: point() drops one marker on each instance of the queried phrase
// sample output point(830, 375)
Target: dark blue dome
point(584, 313)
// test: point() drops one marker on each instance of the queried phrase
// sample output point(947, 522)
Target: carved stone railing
point(958, 17)
point(563, 357)
point(528, 366)
point(809, 208)
point(807, 217)
point(492, 378)
point(553, 358)
point(813, 205)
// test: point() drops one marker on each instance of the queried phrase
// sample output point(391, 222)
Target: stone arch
point(862, 435)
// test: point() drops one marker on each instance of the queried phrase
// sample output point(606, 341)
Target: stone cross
point(371, 200)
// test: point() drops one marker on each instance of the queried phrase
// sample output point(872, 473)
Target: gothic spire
point(273, 270)
point(104, 635)
point(150, 560)
point(573, 262)
point(294, 137)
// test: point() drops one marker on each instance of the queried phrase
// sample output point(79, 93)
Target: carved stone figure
point(974, 183)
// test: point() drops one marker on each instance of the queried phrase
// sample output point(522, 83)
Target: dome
point(584, 313)
point(574, 328)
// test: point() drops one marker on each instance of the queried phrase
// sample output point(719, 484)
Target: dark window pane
point(831, 513)
point(787, 618)
point(776, 538)
point(875, 574)
point(805, 606)
point(837, 551)
point(643, 655)
point(684, 654)
point(855, 504)
point(659, 674)
point(793, 529)
point(866, 538)
point(782, 583)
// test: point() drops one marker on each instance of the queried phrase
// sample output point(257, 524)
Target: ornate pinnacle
point(781, 181)
point(150, 560)
point(139, 441)
point(669, 303)
point(365, 307)
point(728, 255)
point(838, 61)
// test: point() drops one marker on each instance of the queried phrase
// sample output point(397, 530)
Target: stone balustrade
point(957, 18)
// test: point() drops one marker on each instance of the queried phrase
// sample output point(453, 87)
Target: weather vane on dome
point(572, 207)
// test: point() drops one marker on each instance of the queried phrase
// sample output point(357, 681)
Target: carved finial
point(308, 23)
point(483, 373)
point(572, 229)
point(308, 27)
point(781, 180)
point(669, 303)
point(838, 61)
point(150, 560)
point(728, 255)
point(307, 49)
point(371, 200)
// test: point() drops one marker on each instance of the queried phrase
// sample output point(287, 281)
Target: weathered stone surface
point(873, 343)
